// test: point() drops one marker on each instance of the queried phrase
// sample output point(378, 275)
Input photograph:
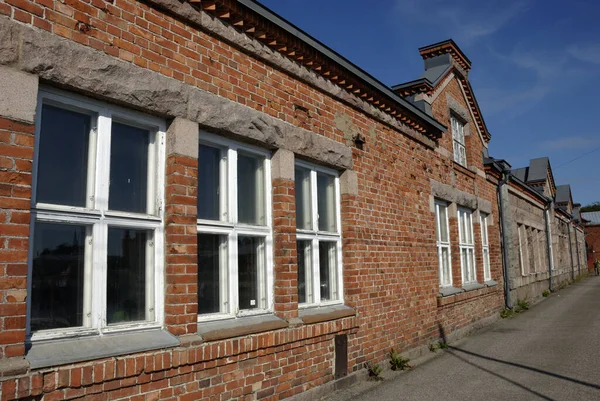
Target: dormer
point(444, 92)
point(537, 175)
point(563, 199)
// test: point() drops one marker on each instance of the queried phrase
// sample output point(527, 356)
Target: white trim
point(316, 237)
point(485, 246)
point(97, 218)
point(229, 227)
point(467, 246)
point(444, 281)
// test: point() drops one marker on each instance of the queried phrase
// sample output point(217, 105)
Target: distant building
point(592, 238)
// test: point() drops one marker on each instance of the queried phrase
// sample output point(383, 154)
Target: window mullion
point(102, 167)
point(232, 264)
point(99, 270)
point(316, 278)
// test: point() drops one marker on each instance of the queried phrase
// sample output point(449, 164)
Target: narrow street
point(550, 352)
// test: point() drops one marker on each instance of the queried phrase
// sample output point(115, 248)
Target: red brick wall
point(389, 253)
point(16, 154)
point(181, 278)
point(592, 240)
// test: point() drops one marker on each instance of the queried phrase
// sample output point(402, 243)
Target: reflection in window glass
point(303, 206)
point(126, 275)
point(63, 157)
point(251, 204)
point(128, 168)
point(327, 269)
point(250, 267)
point(326, 202)
point(57, 281)
point(209, 272)
point(209, 185)
point(304, 265)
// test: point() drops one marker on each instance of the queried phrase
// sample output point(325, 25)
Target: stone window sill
point(465, 170)
point(325, 313)
point(450, 295)
point(44, 354)
point(223, 329)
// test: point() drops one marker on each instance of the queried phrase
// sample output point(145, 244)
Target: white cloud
point(589, 52)
point(466, 20)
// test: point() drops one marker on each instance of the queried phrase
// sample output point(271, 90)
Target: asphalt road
point(550, 352)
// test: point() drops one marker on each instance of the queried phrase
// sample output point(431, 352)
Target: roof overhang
point(260, 23)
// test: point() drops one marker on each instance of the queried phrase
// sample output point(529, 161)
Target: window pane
point(126, 275)
point(128, 168)
point(251, 203)
point(209, 183)
point(57, 281)
point(327, 270)
point(63, 157)
point(445, 268)
point(210, 251)
point(303, 201)
point(326, 202)
point(304, 267)
point(250, 267)
point(443, 223)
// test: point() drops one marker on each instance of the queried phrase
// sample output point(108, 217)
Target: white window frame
point(445, 280)
point(485, 246)
point(467, 246)
point(97, 217)
point(229, 226)
point(549, 240)
point(316, 237)
point(523, 249)
point(458, 141)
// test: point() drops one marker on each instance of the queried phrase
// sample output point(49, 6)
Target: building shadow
point(456, 351)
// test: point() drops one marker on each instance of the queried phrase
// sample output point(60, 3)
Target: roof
point(440, 60)
point(563, 194)
point(257, 21)
point(592, 217)
point(538, 169)
point(521, 173)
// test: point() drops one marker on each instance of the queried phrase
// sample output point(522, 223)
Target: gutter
point(340, 60)
point(502, 217)
point(571, 252)
point(578, 255)
point(548, 243)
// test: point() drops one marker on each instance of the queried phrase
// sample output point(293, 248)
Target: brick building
point(545, 246)
point(200, 201)
point(592, 238)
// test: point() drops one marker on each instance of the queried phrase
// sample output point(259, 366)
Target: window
point(458, 140)
point(523, 249)
point(235, 273)
point(318, 235)
point(485, 246)
point(443, 243)
point(97, 235)
point(467, 246)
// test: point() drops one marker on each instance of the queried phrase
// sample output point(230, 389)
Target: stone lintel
point(70, 65)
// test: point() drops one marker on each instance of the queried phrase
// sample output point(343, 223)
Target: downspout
point(578, 255)
point(571, 251)
point(501, 184)
point(548, 244)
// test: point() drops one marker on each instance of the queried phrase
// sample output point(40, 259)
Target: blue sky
point(536, 67)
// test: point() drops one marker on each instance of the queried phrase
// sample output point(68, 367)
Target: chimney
point(444, 53)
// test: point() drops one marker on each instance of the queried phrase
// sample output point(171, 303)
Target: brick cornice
point(317, 69)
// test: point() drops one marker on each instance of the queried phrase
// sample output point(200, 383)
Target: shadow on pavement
point(454, 352)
